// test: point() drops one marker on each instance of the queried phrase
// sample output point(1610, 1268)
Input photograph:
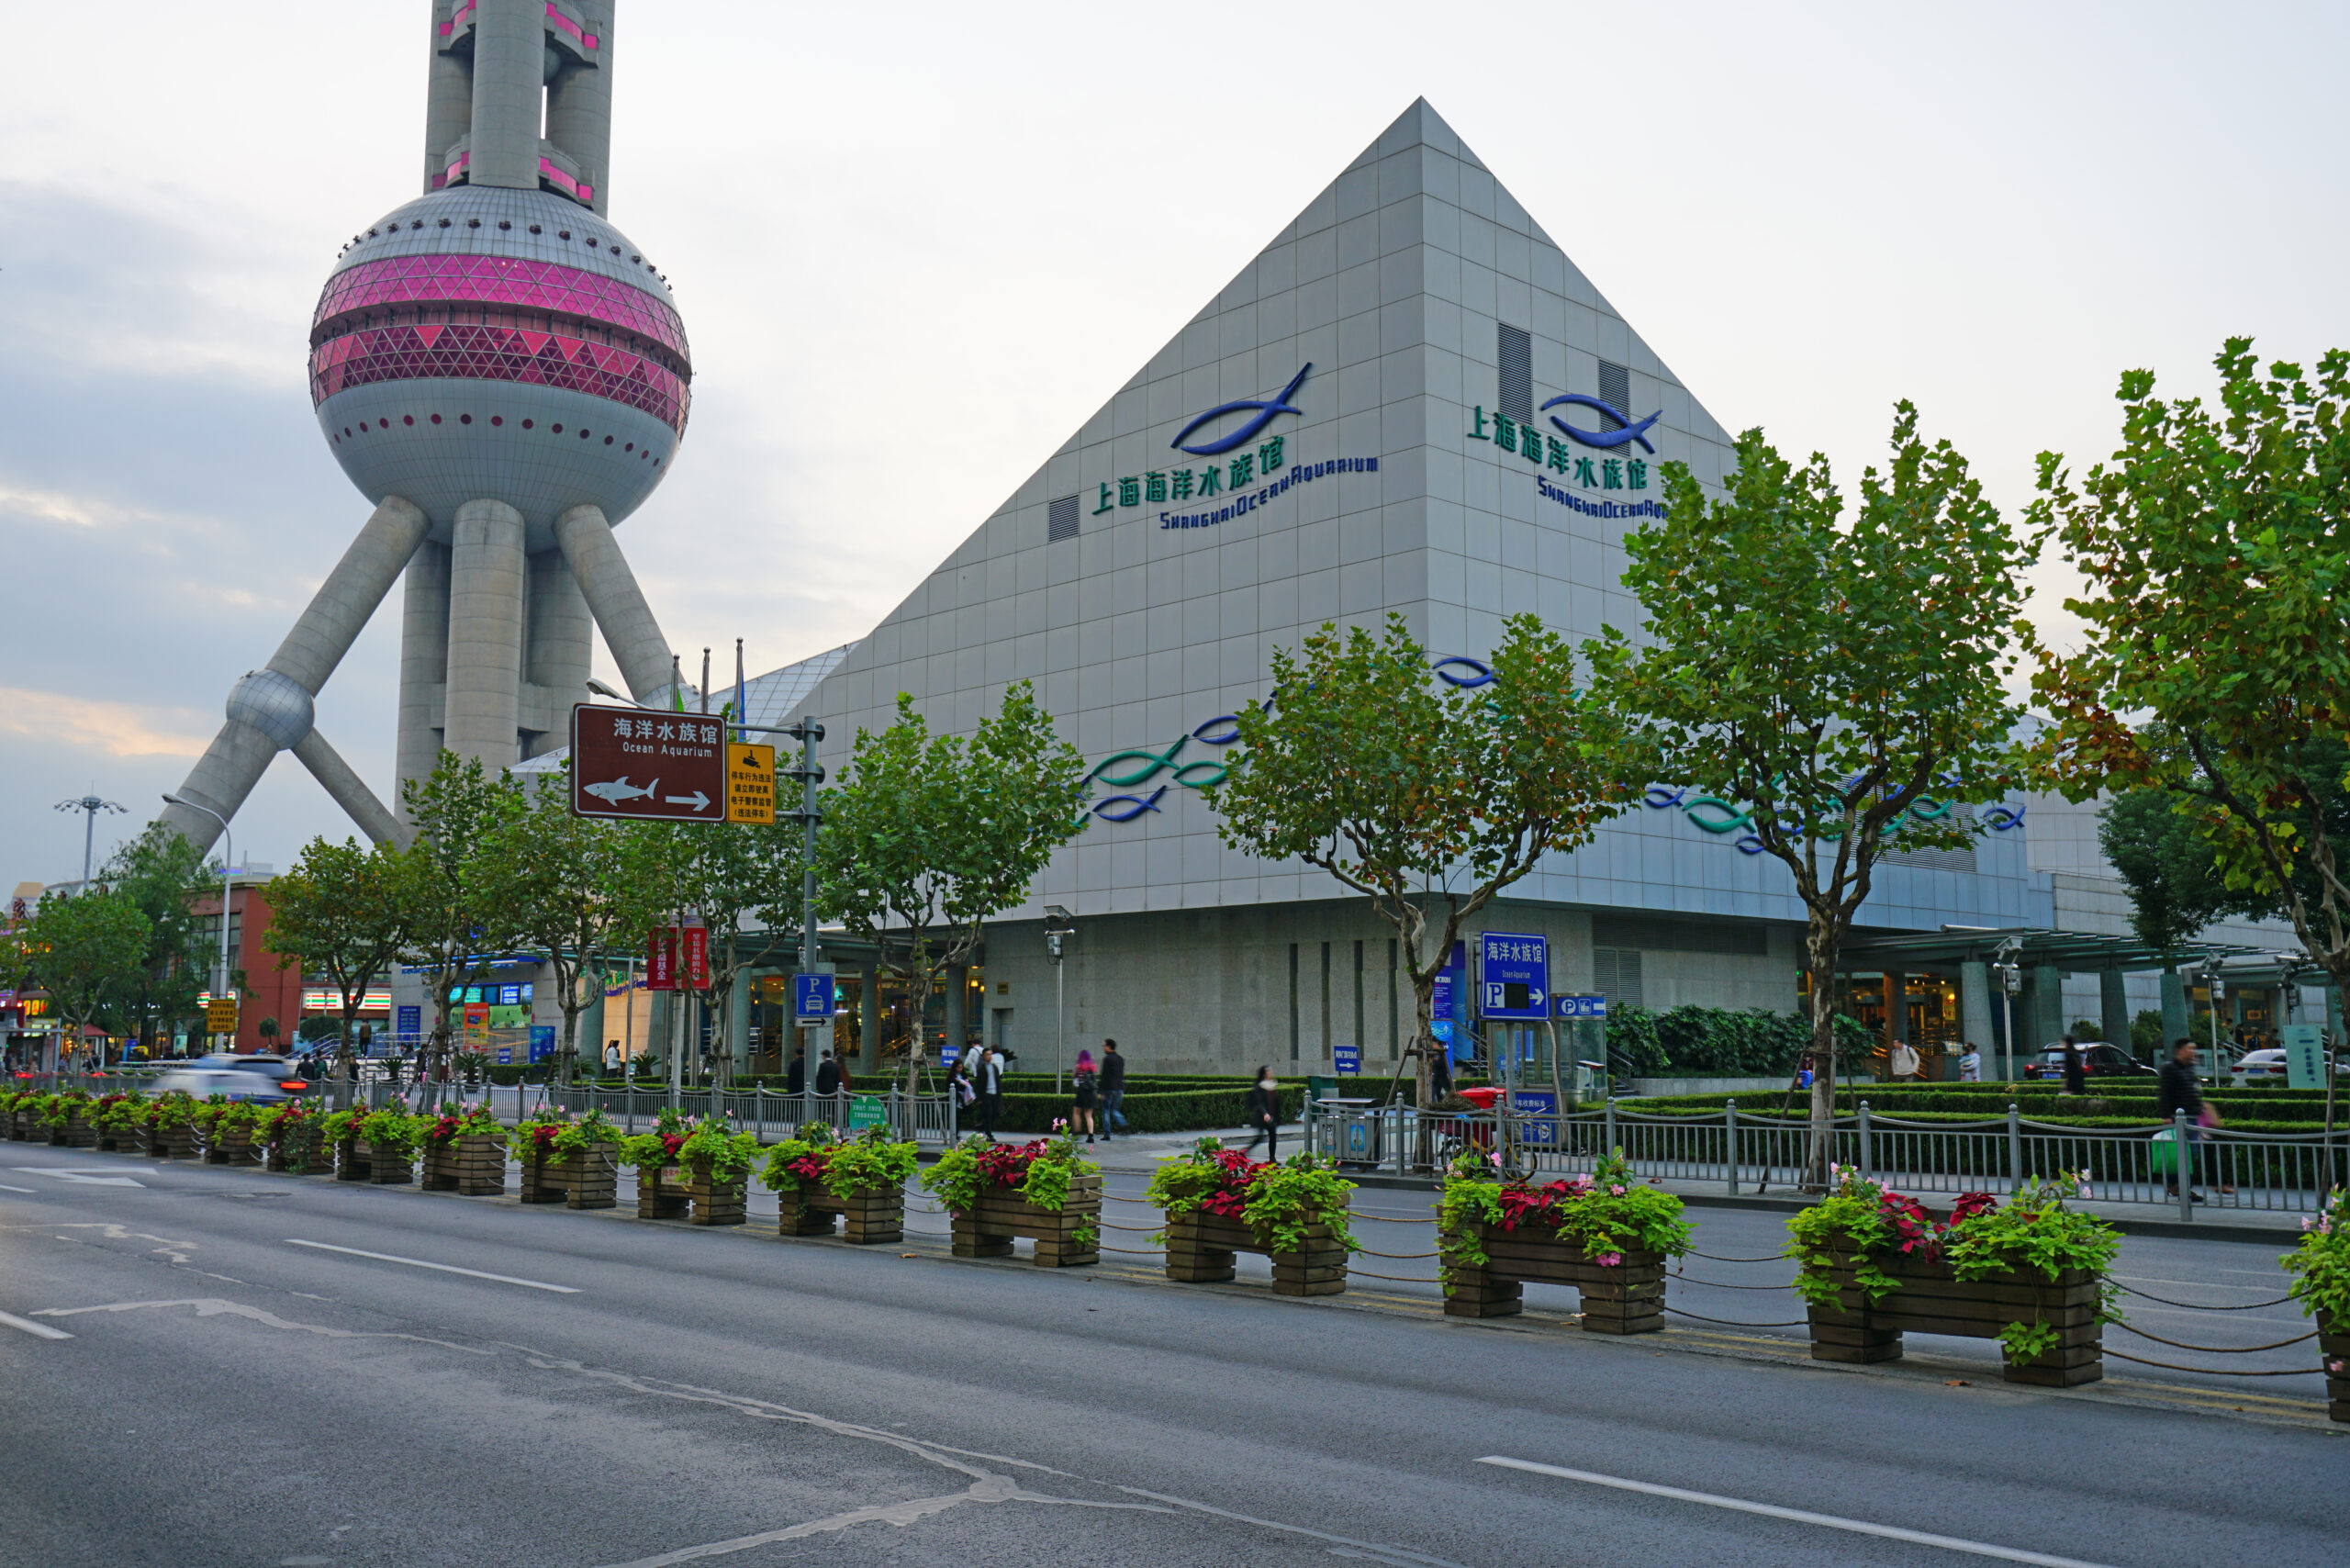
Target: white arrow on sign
point(696, 799)
point(98, 1178)
point(1534, 996)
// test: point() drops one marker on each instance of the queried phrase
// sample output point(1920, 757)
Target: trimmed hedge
point(1174, 1112)
point(1982, 1101)
point(1718, 1042)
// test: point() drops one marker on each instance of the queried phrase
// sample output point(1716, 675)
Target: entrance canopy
point(2073, 952)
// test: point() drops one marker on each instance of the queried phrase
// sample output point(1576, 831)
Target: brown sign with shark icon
point(642, 765)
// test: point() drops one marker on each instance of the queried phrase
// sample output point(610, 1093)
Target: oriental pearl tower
point(505, 376)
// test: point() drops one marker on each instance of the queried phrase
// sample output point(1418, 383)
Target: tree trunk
point(1820, 958)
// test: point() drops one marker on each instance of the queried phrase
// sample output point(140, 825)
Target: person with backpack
point(1114, 1087)
point(1086, 1082)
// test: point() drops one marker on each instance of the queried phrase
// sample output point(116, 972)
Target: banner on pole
point(661, 959)
point(696, 957)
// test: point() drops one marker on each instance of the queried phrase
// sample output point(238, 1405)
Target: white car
point(238, 1077)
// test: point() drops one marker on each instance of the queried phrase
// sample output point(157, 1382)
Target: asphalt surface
point(692, 1395)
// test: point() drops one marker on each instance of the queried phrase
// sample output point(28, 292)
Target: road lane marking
point(442, 1267)
point(37, 1330)
point(1798, 1516)
point(100, 1177)
point(5, 1188)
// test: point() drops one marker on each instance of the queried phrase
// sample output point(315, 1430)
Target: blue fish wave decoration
point(1266, 409)
point(1632, 430)
point(1129, 807)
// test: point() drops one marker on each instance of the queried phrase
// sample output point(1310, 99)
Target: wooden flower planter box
point(230, 1146)
point(76, 1131)
point(358, 1161)
point(587, 1180)
point(871, 1217)
point(2333, 1344)
point(301, 1151)
point(660, 1195)
point(1199, 1248)
point(22, 1127)
point(1002, 1214)
point(1931, 1299)
point(1616, 1298)
point(122, 1140)
point(472, 1165)
point(167, 1143)
point(716, 1200)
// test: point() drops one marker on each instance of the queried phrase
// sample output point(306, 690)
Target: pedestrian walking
point(1086, 1082)
point(1113, 1089)
point(958, 1082)
point(2176, 1088)
point(828, 1075)
point(1264, 1115)
point(2076, 1077)
point(1970, 1065)
point(612, 1058)
point(795, 1078)
point(990, 1088)
point(1440, 1071)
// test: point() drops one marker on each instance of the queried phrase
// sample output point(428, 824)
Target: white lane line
point(5, 1188)
point(444, 1268)
point(1798, 1516)
point(37, 1330)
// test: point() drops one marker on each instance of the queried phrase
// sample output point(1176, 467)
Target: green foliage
point(2321, 1265)
point(85, 951)
point(164, 874)
point(2033, 1230)
point(2146, 1034)
point(1605, 1215)
point(954, 1177)
point(61, 1108)
point(1837, 678)
point(1284, 1199)
point(1050, 1173)
point(1397, 782)
point(455, 930)
point(591, 1128)
point(2176, 886)
point(713, 1141)
point(870, 1163)
point(1719, 1041)
point(341, 1126)
point(341, 911)
point(927, 836)
point(393, 1132)
point(2214, 659)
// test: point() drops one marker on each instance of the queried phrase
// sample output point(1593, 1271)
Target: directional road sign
point(645, 765)
point(750, 782)
point(1516, 974)
point(2304, 1056)
point(812, 1000)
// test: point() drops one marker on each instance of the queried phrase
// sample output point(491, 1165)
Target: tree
point(85, 950)
point(1405, 787)
point(564, 885)
point(164, 875)
point(719, 875)
point(2215, 660)
point(454, 935)
point(927, 836)
point(343, 913)
point(1838, 679)
point(2175, 889)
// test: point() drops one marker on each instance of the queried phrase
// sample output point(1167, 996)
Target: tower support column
point(424, 661)
point(616, 601)
point(489, 575)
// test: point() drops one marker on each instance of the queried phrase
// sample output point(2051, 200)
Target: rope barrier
point(1107, 1225)
point(1391, 1219)
point(1733, 1323)
point(1713, 1285)
point(2198, 1307)
point(2207, 1371)
point(1399, 1279)
point(1711, 1257)
point(1367, 1252)
point(2215, 1350)
point(1127, 1251)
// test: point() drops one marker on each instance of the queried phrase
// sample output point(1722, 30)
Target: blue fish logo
point(1603, 439)
point(1475, 672)
point(1266, 409)
point(1128, 807)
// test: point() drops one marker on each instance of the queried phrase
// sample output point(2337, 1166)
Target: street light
point(2010, 982)
point(90, 806)
point(227, 861)
point(1058, 925)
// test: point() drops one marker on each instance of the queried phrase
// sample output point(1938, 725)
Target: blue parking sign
point(1583, 1006)
point(811, 999)
point(1514, 975)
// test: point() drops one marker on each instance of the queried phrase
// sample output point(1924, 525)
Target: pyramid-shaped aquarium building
point(1426, 409)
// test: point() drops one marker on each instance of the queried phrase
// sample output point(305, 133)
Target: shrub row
point(1718, 1041)
point(1993, 1099)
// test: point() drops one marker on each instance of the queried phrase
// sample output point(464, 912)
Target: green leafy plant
point(713, 1141)
point(341, 1126)
point(1604, 1216)
point(868, 1164)
point(1286, 1199)
point(171, 1109)
point(1040, 1170)
point(466, 1121)
point(2321, 1265)
point(64, 1105)
point(393, 1132)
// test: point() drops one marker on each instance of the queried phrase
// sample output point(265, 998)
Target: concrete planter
point(2334, 1344)
point(1067, 1239)
point(472, 1165)
point(1931, 1299)
point(659, 1195)
point(587, 1179)
point(1627, 1297)
point(716, 1200)
point(871, 1218)
point(1200, 1249)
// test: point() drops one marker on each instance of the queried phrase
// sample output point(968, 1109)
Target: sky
point(916, 246)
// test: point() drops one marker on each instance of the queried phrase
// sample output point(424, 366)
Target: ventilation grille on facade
point(1060, 519)
point(1614, 391)
point(1930, 859)
point(1616, 975)
point(1678, 935)
point(1513, 352)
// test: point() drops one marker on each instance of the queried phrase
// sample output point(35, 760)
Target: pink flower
point(1611, 1259)
point(1616, 1189)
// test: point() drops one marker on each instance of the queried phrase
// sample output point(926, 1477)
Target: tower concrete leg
point(326, 765)
point(617, 602)
point(238, 757)
point(556, 655)
point(487, 578)
point(424, 661)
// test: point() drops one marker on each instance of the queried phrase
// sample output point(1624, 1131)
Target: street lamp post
point(2010, 982)
point(90, 806)
point(227, 863)
point(1059, 924)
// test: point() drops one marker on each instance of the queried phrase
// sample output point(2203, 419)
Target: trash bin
point(1483, 1099)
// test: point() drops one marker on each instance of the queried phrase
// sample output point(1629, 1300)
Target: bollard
point(2183, 1167)
point(2015, 1148)
point(1868, 1161)
point(1730, 1147)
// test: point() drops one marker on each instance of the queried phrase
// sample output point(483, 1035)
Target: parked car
point(2098, 1060)
point(258, 1077)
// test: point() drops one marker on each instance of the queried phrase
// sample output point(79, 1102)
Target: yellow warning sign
point(750, 783)
point(220, 1018)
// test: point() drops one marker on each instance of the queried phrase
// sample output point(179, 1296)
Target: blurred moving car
point(2098, 1060)
point(238, 1077)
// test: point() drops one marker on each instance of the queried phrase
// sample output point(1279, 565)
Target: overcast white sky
point(916, 246)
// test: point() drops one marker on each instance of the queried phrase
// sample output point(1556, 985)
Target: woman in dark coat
point(1264, 1115)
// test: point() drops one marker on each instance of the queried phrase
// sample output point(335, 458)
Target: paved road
point(229, 1397)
